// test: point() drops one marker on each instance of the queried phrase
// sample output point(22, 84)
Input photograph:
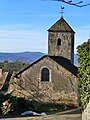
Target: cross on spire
point(62, 11)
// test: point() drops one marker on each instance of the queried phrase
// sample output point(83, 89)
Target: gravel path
point(67, 115)
point(49, 117)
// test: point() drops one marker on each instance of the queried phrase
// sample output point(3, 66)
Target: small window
point(59, 41)
point(45, 74)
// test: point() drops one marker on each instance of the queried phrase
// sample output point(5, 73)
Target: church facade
point(53, 77)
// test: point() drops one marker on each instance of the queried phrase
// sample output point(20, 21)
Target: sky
point(24, 23)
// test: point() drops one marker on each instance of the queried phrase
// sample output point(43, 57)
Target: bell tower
point(61, 40)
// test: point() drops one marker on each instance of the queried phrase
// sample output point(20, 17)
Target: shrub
point(84, 72)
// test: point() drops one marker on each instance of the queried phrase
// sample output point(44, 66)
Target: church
point(53, 77)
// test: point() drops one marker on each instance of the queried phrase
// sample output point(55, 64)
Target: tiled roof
point(58, 59)
point(61, 26)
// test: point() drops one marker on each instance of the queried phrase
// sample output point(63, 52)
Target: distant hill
point(26, 57)
point(22, 56)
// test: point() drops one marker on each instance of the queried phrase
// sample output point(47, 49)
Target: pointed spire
point(61, 26)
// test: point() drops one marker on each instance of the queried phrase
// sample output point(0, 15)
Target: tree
point(84, 72)
point(70, 2)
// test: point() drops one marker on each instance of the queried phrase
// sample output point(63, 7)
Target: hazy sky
point(24, 23)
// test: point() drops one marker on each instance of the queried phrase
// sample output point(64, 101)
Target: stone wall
point(66, 49)
point(3, 77)
point(0, 73)
point(62, 88)
point(86, 113)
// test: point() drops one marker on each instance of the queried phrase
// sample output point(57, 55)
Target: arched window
point(59, 41)
point(45, 74)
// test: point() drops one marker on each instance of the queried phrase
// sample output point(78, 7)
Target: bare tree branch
point(70, 2)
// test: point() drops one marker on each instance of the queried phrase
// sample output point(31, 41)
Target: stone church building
point(53, 77)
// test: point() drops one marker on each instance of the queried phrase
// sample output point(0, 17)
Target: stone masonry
point(62, 88)
point(63, 32)
point(86, 113)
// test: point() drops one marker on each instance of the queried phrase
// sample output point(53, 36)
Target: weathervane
point(62, 11)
